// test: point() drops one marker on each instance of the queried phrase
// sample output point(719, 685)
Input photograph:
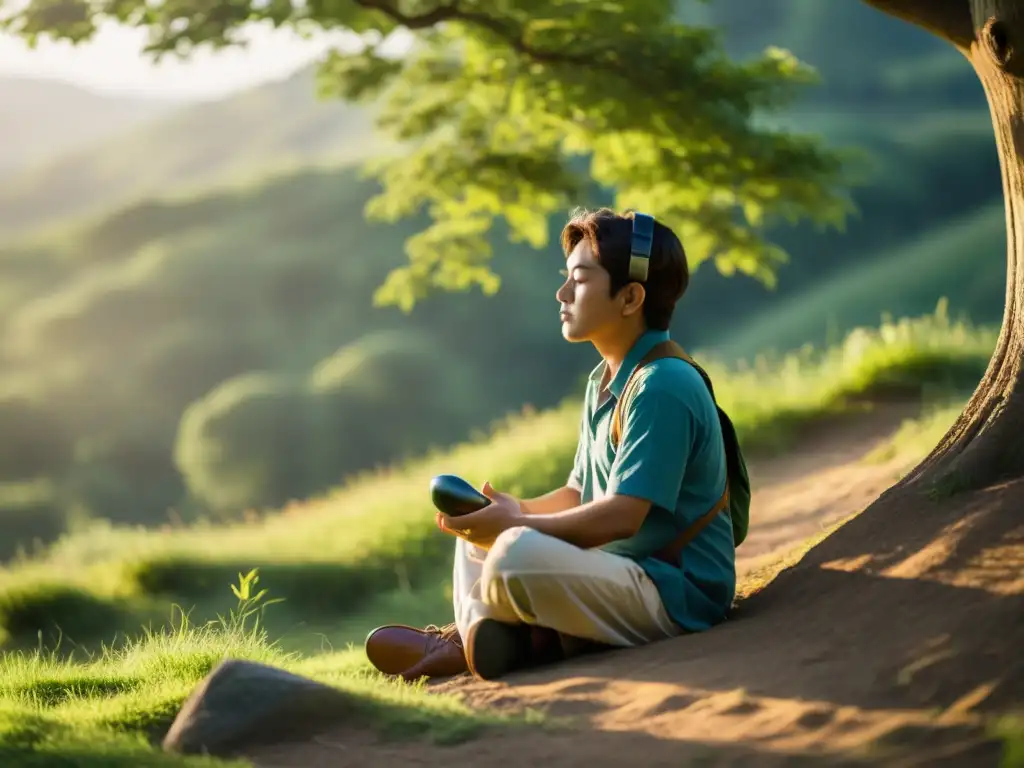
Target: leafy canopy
point(518, 109)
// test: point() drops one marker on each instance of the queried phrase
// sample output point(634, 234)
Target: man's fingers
point(449, 524)
point(445, 523)
point(464, 522)
point(488, 491)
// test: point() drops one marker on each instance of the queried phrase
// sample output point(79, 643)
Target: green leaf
point(512, 112)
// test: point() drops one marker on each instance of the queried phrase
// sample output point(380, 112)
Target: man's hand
point(484, 526)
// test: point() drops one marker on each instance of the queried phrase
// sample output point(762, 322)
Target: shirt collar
point(643, 345)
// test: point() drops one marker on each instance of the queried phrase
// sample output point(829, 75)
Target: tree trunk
point(986, 444)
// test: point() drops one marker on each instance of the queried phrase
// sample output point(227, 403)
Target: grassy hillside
point(211, 350)
point(337, 554)
point(139, 342)
point(345, 562)
point(928, 174)
point(232, 338)
point(218, 353)
point(965, 259)
point(41, 120)
point(112, 711)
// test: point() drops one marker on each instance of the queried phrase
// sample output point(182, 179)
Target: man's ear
point(632, 296)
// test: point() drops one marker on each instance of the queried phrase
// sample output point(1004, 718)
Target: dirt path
point(800, 493)
point(865, 653)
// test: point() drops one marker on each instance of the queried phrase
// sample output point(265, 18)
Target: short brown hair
point(610, 235)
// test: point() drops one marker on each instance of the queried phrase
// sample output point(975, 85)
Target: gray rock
point(243, 703)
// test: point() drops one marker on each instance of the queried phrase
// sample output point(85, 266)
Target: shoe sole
point(493, 649)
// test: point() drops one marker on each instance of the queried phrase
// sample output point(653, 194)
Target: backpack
point(736, 497)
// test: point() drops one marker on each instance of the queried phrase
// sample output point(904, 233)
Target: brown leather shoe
point(411, 653)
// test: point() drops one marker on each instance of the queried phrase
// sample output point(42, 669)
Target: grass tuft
point(115, 706)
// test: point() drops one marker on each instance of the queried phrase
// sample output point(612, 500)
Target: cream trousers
point(529, 577)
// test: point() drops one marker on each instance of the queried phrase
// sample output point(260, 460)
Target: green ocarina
point(454, 496)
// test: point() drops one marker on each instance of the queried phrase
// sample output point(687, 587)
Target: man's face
point(587, 311)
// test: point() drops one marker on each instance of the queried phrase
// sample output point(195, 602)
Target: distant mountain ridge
point(42, 119)
point(277, 125)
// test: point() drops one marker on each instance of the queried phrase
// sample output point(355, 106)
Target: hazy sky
point(112, 62)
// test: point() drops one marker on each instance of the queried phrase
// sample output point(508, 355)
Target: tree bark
point(986, 444)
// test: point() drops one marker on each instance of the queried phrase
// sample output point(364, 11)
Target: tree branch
point(419, 21)
point(451, 12)
point(948, 19)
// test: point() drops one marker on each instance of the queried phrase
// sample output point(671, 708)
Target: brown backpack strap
point(666, 349)
point(661, 350)
point(672, 553)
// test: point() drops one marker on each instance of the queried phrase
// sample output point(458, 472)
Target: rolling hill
point(258, 131)
point(222, 353)
point(963, 260)
point(239, 327)
point(43, 120)
point(186, 320)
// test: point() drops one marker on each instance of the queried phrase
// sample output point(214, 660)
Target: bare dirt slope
point(892, 642)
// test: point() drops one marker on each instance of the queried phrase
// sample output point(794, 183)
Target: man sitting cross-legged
point(600, 560)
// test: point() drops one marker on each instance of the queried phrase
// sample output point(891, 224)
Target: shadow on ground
point(897, 638)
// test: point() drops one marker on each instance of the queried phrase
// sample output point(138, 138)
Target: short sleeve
point(658, 431)
point(576, 475)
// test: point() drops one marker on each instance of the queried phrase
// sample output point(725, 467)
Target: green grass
point(915, 358)
point(203, 287)
point(333, 557)
point(114, 709)
point(965, 260)
point(189, 300)
point(1011, 730)
point(364, 554)
point(919, 435)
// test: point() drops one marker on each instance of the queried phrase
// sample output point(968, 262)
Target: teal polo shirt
point(671, 454)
